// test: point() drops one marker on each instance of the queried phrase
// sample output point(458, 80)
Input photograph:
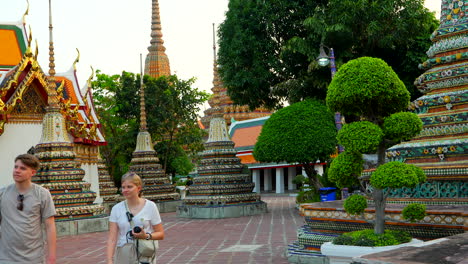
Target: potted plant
point(373, 100)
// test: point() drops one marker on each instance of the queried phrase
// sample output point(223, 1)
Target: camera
point(136, 229)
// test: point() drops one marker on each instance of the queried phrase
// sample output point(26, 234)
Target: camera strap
point(132, 225)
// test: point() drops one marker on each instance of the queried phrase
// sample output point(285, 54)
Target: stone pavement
point(251, 239)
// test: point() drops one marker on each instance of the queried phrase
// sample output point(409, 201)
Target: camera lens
point(137, 229)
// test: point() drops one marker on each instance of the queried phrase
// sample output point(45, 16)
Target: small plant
point(367, 238)
point(300, 179)
point(307, 197)
point(414, 212)
point(355, 204)
point(181, 182)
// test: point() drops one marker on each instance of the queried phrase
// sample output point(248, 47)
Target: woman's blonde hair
point(133, 178)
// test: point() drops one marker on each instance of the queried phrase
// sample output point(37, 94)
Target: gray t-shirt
point(21, 237)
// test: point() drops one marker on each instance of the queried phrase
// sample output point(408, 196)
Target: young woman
point(144, 213)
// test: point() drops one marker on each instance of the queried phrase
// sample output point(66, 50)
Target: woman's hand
point(140, 235)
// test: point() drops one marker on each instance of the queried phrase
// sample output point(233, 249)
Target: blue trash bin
point(327, 194)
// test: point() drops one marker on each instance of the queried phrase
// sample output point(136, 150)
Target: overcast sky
point(111, 34)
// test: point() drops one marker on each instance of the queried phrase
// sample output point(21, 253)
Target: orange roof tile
point(68, 89)
point(246, 136)
point(10, 52)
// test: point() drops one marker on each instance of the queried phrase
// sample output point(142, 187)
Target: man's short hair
point(29, 160)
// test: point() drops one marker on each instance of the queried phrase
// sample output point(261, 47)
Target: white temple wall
point(92, 176)
point(17, 139)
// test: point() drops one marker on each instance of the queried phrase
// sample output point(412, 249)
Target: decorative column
point(291, 175)
point(267, 182)
point(279, 180)
point(256, 180)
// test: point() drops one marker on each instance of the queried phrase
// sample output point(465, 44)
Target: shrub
point(367, 238)
point(300, 180)
point(307, 197)
point(402, 126)
point(394, 174)
point(414, 212)
point(362, 137)
point(355, 204)
point(345, 169)
point(367, 85)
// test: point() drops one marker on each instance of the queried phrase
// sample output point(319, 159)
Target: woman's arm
point(112, 241)
point(158, 233)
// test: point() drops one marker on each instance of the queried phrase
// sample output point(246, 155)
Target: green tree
point(367, 89)
point(303, 132)
point(171, 107)
point(119, 131)
point(283, 39)
point(250, 48)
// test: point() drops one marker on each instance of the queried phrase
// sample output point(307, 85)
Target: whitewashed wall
point(17, 139)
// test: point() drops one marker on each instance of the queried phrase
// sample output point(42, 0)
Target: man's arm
point(51, 240)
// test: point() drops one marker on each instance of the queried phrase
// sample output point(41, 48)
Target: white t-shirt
point(146, 218)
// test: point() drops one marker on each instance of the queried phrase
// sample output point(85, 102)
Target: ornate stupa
point(157, 62)
point(221, 188)
point(221, 103)
point(107, 188)
point(60, 171)
point(441, 147)
point(157, 185)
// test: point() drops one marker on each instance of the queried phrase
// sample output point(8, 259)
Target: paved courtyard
point(252, 239)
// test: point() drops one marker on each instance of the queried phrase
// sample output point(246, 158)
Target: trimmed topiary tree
point(366, 90)
point(302, 133)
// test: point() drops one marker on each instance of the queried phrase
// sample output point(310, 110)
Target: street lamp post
point(323, 60)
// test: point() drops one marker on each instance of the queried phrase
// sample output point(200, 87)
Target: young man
point(24, 206)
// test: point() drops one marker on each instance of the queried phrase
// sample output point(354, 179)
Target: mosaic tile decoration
point(61, 172)
point(107, 188)
point(443, 108)
point(221, 181)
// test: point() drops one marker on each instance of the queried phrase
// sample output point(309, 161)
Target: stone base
point(296, 254)
point(342, 254)
point(108, 207)
point(168, 207)
point(226, 211)
point(82, 226)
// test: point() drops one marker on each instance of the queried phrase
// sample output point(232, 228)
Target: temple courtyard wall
point(18, 138)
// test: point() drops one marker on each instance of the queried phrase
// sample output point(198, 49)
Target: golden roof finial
point(28, 49)
point(143, 124)
point(26, 13)
point(77, 59)
point(36, 53)
point(214, 42)
point(52, 96)
point(88, 90)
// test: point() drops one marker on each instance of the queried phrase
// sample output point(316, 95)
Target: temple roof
point(12, 44)
point(22, 80)
point(244, 134)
